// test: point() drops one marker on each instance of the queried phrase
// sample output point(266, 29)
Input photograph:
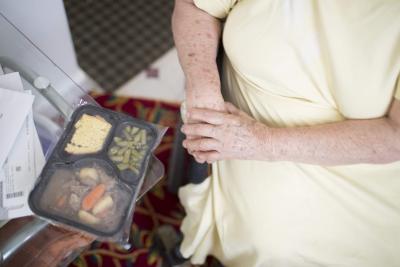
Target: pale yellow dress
point(297, 63)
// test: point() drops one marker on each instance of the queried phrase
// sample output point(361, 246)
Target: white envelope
point(24, 162)
point(11, 81)
point(14, 108)
point(18, 172)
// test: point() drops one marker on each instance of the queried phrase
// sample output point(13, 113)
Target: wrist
point(204, 94)
point(267, 143)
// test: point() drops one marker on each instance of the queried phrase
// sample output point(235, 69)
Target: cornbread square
point(89, 136)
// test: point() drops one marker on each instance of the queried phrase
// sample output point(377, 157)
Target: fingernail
point(183, 129)
point(184, 143)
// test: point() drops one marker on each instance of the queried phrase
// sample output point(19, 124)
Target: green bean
point(122, 143)
point(136, 138)
point(134, 130)
point(135, 164)
point(116, 158)
point(143, 136)
point(122, 150)
point(122, 166)
point(130, 149)
point(127, 135)
point(113, 150)
point(134, 170)
point(126, 156)
point(135, 157)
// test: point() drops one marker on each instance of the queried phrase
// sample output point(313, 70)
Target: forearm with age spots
point(235, 135)
point(374, 141)
point(196, 35)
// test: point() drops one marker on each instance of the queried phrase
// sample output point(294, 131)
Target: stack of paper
point(21, 155)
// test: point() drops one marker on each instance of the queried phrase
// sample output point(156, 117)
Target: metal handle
point(41, 84)
point(20, 237)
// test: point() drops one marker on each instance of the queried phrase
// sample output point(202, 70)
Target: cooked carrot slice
point(93, 196)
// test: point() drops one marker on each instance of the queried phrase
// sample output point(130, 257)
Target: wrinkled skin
point(208, 98)
point(230, 134)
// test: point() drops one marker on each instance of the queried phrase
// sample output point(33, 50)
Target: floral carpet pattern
point(156, 208)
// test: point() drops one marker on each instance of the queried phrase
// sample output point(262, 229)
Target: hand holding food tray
point(95, 172)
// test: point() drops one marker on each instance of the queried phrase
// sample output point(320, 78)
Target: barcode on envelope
point(14, 195)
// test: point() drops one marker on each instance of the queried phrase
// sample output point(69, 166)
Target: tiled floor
point(115, 40)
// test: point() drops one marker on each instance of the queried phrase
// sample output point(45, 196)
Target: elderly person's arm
point(197, 36)
point(237, 136)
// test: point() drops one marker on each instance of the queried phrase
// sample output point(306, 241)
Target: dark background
point(116, 39)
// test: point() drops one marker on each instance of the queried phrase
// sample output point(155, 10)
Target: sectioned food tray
point(94, 174)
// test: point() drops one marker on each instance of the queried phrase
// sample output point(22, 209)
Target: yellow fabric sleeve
point(216, 8)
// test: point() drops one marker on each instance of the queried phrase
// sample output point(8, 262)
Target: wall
point(44, 23)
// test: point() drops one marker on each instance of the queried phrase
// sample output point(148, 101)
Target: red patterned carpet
point(157, 207)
